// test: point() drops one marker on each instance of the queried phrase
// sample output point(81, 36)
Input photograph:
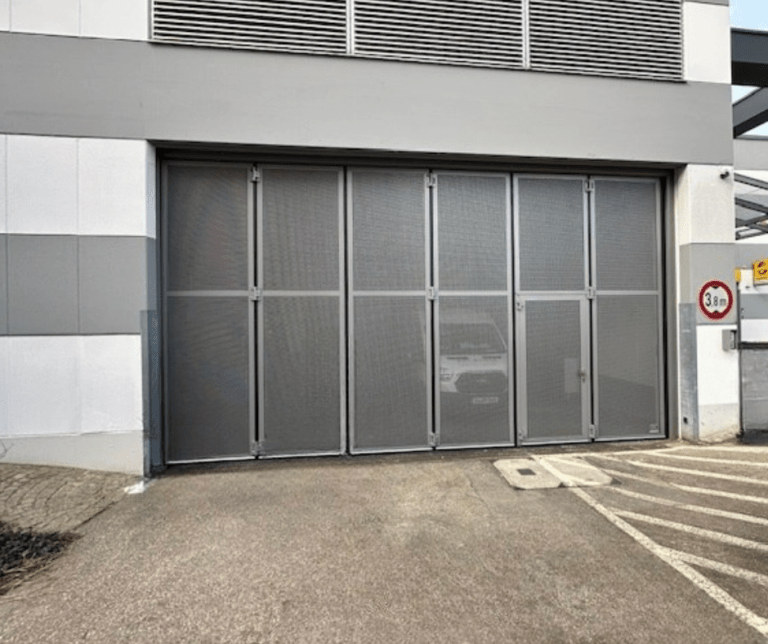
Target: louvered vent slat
point(482, 32)
point(633, 38)
point(281, 25)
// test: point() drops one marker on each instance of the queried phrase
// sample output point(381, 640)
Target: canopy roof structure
point(749, 67)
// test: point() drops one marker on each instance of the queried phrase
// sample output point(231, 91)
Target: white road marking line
point(737, 516)
point(722, 537)
point(755, 449)
point(618, 474)
point(742, 573)
point(694, 576)
point(701, 459)
point(666, 468)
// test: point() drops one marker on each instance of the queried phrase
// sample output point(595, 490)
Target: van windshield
point(470, 339)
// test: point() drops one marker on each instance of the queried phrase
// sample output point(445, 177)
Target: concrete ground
point(417, 548)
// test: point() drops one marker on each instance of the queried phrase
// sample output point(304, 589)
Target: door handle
point(583, 375)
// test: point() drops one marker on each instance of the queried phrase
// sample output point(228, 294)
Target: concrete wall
point(77, 248)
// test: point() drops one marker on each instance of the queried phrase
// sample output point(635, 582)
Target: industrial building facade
point(236, 230)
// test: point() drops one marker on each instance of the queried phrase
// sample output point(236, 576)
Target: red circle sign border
point(726, 288)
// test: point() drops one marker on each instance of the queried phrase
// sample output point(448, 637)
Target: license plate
point(485, 400)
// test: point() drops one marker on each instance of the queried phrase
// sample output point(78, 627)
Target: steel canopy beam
point(749, 57)
point(750, 111)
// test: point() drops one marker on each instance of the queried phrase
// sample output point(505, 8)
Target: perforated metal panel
point(300, 229)
point(301, 375)
point(551, 234)
point(627, 331)
point(553, 354)
point(207, 244)
point(318, 26)
point(473, 371)
point(390, 373)
point(207, 372)
point(480, 32)
point(472, 215)
point(388, 230)
point(626, 222)
point(632, 38)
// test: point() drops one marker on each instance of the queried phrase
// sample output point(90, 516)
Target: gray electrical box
point(730, 342)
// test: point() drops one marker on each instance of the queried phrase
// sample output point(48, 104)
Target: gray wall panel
point(113, 284)
point(3, 285)
point(144, 91)
point(42, 284)
point(750, 153)
point(700, 263)
point(747, 254)
point(754, 306)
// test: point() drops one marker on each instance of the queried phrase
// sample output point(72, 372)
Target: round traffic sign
point(715, 299)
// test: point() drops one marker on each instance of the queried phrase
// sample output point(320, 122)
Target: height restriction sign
point(715, 299)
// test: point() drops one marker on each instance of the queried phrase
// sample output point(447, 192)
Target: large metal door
point(472, 310)
point(208, 318)
point(628, 375)
point(389, 311)
point(552, 313)
point(299, 286)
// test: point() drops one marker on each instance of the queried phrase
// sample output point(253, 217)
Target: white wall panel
point(4, 386)
point(3, 173)
point(60, 17)
point(754, 330)
point(42, 185)
point(111, 383)
point(123, 19)
point(718, 370)
point(112, 187)
point(43, 385)
point(704, 207)
point(707, 41)
point(5, 15)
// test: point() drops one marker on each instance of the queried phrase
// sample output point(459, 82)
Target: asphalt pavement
point(421, 548)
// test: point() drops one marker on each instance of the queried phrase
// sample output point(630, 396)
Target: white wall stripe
point(666, 468)
point(700, 581)
point(696, 490)
point(727, 569)
point(736, 516)
point(712, 535)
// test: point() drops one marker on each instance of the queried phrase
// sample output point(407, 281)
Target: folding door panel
point(300, 324)
point(389, 336)
point(627, 331)
point(472, 275)
point(208, 389)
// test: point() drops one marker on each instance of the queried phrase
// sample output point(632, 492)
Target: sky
point(749, 14)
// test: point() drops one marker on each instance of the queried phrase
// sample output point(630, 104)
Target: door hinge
point(589, 185)
point(431, 293)
point(431, 180)
point(519, 304)
point(591, 292)
point(255, 175)
point(256, 448)
point(254, 294)
point(432, 439)
point(592, 430)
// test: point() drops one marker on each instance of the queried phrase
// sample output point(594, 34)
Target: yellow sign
point(760, 271)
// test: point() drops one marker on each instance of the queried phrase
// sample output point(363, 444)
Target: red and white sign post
point(715, 299)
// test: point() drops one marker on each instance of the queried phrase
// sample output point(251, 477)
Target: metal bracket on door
point(591, 292)
point(519, 304)
point(256, 448)
point(432, 440)
point(592, 431)
point(431, 293)
point(254, 294)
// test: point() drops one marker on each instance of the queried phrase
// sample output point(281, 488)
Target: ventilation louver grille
point(635, 38)
point(481, 32)
point(312, 26)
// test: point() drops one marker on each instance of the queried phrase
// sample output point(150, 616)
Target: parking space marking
point(733, 571)
point(703, 509)
point(701, 459)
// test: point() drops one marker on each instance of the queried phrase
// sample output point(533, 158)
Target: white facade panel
point(119, 19)
point(704, 204)
point(112, 187)
point(718, 369)
point(111, 383)
point(42, 185)
point(43, 391)
point(707, 41)
point(59, 17)
point(5, 381)
point(3, 173)
point(5, 15)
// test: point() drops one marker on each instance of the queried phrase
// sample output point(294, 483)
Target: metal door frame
point(507, 293)
point(350, 303)
point(217, 293)
point(658, 292)
point(257, 278)
point(522, 297)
